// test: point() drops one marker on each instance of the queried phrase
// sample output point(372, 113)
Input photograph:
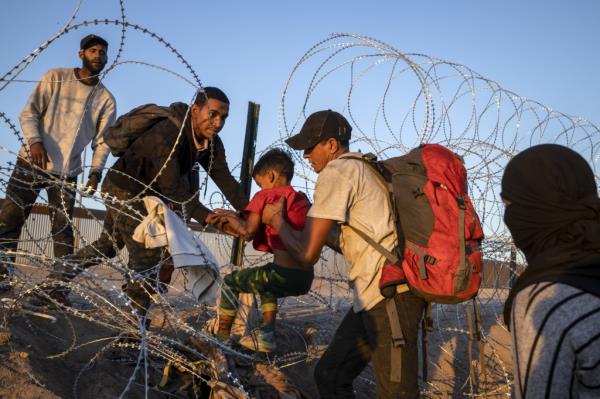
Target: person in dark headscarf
point(553, 309)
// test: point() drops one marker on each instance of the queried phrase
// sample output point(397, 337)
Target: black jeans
point(366, 336)
point(22, 191)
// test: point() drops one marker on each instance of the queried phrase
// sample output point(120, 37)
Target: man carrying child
point(347, 192)
point(285, 276)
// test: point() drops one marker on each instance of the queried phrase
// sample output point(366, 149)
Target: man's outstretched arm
point(220, 173)
point(305, 245)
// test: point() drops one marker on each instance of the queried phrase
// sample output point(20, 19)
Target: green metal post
point(237, 252)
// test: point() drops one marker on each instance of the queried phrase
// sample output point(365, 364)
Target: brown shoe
point(5, 276)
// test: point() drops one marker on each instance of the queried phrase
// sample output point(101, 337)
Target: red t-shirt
point(297, 206)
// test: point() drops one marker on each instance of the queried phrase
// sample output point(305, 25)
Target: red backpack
point(439, 232)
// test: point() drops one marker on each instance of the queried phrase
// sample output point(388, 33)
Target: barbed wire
point(111, 308)
point(395, 101)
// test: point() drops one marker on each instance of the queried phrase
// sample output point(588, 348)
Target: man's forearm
point(33, 111)
point(99, 157)
point(30, 128)
point(199, 212)
point(221, 175)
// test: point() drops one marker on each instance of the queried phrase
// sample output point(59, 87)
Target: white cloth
point(163, 228)
point(66, 115)
point(347, 191)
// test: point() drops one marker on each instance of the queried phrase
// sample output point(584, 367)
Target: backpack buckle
point(472, 248)
point(461, 203)
point(430, 259)
point(417, 192)
point(370, 157)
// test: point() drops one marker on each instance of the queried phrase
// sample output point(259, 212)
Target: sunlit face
point(319, 155)
point(94, 58)
point(209, 119)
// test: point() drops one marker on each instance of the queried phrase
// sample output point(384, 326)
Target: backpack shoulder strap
point(387, 186)
point(160, 112)
point(149, 112)
point(398, 340)
point(387, 254)
point(130, 126)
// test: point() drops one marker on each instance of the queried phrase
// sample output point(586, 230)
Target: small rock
point(4, 337)
point(309, 333)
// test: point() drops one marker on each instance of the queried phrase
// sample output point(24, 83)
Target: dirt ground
point(66, 354)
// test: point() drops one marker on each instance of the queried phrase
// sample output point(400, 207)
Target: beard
point(87, 64)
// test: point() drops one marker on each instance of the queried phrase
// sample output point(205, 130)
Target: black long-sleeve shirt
point(178, 181)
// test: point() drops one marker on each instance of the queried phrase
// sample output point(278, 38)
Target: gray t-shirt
point(347, 191)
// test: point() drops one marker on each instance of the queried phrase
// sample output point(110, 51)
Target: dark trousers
point(366, 336)
point(119, 225)
point(22, 191)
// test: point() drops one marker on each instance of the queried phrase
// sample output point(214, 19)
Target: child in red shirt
point(285, 276)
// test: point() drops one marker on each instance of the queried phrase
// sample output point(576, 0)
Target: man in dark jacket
point(160, 162)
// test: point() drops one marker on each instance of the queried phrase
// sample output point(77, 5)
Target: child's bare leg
point(269, 311)
point(269, 320)
point(228, 304)
point(225, 323)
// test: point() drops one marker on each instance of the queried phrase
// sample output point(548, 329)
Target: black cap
point(320, 126)
point(90, 40)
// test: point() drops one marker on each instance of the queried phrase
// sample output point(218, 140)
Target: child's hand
point(233, 226)
point(270, 210)
point(213, 219)
point(228, 223)
point(226, 212)
point(216, 220)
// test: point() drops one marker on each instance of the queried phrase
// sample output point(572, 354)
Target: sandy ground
point(71, 357)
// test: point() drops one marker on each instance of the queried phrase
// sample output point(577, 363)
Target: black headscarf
point(554, 218)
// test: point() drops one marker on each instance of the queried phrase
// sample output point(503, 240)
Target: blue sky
point(544, 50)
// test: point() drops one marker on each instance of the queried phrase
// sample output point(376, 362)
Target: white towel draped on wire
point(163, 228)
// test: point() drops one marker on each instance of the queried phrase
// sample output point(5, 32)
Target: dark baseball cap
point(90, 40)
point(319, 126)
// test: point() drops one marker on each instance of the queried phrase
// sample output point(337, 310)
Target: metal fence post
point(246, 315)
